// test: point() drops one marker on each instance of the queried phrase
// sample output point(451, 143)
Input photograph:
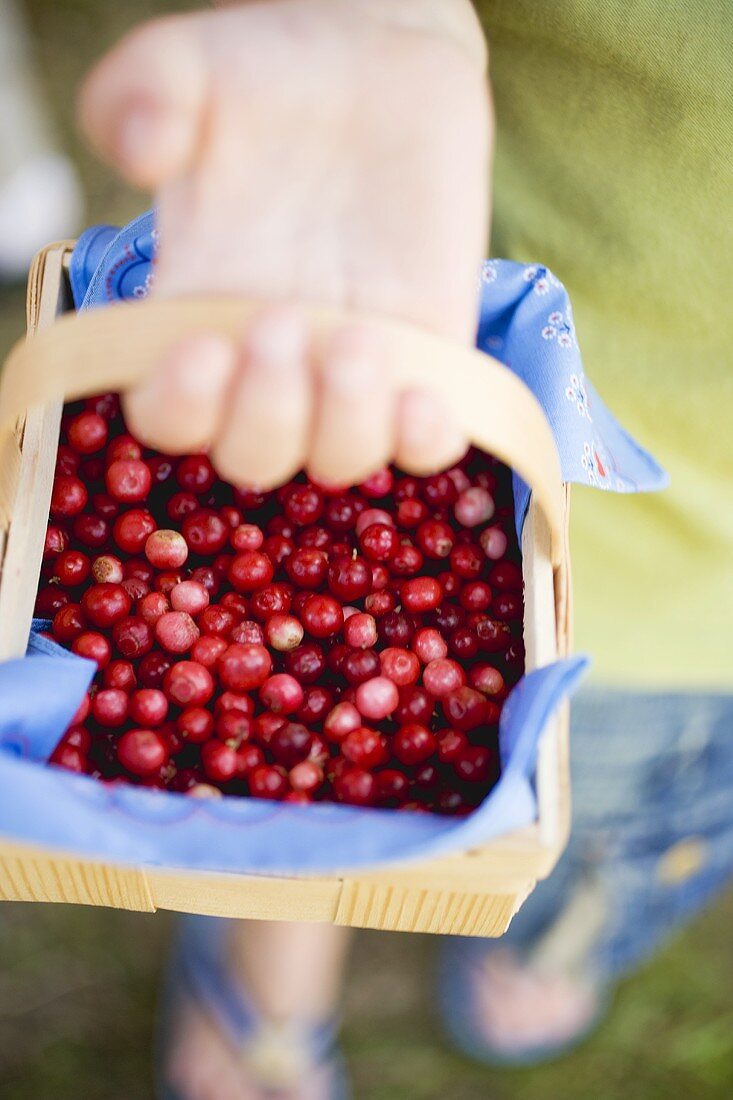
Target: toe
point(427, 438)
point(354, 422)
point(178, 407)
point(142, 105)
point(263, 441)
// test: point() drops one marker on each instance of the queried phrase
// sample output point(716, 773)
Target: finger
point(142, 106)
point(264, 437)
point(427, 438)
point(178, 407)
point(354, 420)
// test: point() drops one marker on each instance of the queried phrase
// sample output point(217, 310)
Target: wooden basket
point(469, 893)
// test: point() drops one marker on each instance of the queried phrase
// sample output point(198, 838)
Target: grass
point(78, 986)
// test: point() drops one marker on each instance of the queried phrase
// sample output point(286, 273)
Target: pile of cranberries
point(314, 643)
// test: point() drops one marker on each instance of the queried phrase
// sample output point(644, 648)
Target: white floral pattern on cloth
point(578, 394)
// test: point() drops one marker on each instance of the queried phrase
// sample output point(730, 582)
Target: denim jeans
point(652, 838)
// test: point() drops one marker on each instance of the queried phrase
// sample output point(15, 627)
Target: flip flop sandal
point(277, 1057)
point(460, 970)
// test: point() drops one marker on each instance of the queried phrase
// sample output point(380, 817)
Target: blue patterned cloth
point(526, 322)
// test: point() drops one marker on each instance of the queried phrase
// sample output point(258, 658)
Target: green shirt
point(614, 167)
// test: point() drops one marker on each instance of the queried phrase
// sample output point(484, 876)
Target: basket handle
point(113, 348)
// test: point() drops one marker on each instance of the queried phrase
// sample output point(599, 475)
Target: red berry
point(415, 705)
point(350, 578)
point(283, 632)
point(317, 703)
point(413, 743)
point(133, 637)
point(421, 594)
point(396, 629)
point(494, 543)
point(406, 562)
point(87, 433)
point(107, 569)
point(466, 561)
point(216, 620)
point(429, 645)
point(291, 743)
point(166, 549)
point(473, 507)
point(322, 616)
point(303, 504)
point(379, 484)
point(195, 725)
point(69, 757)
point(50, 600)
point(105, 604)
point(247, 632)
point(341, 721)
point(400, 666)
point(486, 679)
point(306, 776)
point(451, 744)
point(220, 762)
point(476, 596)
point(377, 698)
point(360, 631)
point(152, 669)
point(250, 571)
point(267, 781)
point(143, 752)
point(109, 707)
point(244, 667)
point(148, 707)
point(55, 543)
point(205, 532)
point(306, 663)
point(307, 568)
point(123, 447)
point(128, 480)
point(207, 650)
point(188, 684)
point(466, 708)
point(276, 599)
point(189, 596)
point(281, 693)
point(372, 515)
point(93, 646)
point(435, 538)
point(68, 623)
point(247, 536)
point(379, 542)
point(443, 676)
point(475, 764)
point(195, 474)
point(365, 747)
point(131, 530)
point(68, 497)
point(119, 674)
point(72, 568)
point(176, 631)
point(152, 606)
point(356, 787)
point(393, 787)
point(360, 665)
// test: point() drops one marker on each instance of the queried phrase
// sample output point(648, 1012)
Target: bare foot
point(290, 978)
point(521, 1009)
point(305, 151)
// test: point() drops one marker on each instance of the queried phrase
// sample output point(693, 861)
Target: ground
point(78, 986)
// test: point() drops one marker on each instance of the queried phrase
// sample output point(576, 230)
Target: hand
point(304, 151)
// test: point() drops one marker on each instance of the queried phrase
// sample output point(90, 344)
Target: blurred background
point(78, 986)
